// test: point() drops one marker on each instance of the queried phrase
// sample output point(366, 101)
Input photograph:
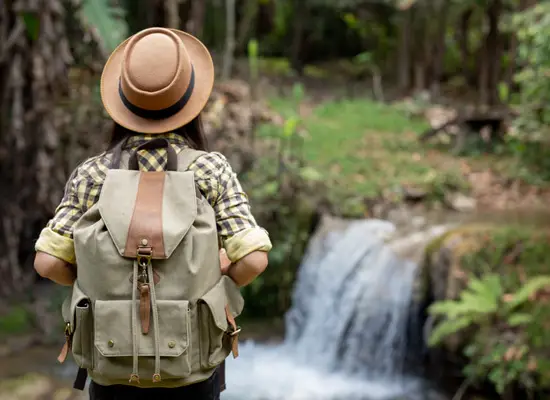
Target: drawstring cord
point(134, 378)
point(156, 376)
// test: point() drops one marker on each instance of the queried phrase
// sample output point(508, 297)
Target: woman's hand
point(225, 262)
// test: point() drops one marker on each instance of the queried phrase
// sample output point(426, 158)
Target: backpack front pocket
point(114, 340)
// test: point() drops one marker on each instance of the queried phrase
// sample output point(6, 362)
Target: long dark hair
point(192, 133)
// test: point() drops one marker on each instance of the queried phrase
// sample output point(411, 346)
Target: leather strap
point(64, 352)
point(235, 332)
point(188, 156)
point(67, 345)
point(80, 380)
point(117, 154)
point(146, 224)
point(144, 307)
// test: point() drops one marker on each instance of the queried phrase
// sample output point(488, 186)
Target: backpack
point(150, 307)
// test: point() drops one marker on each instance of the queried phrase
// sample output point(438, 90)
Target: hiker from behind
point(137, 234)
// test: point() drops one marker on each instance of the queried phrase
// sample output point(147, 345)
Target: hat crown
point(152, 63)
point(156, 70)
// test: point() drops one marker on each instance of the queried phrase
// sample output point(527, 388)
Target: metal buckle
point(68, 329)
point(235, 332)
point(144, 255)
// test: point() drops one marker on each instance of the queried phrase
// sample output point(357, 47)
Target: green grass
point(365, 149)
point(16, 321)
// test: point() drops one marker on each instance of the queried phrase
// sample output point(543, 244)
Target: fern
point(479, 300)
point(480, 297)
point(530, 288)
point(107, 20)
point(448, 327)
point(518, 319)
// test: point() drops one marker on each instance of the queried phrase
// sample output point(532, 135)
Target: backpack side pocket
point(82, 336)
point(81, 327)
point(214, 329)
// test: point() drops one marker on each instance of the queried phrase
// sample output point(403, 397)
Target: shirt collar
point(138, 139)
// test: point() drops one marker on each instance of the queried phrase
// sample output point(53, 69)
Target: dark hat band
point(164, 112)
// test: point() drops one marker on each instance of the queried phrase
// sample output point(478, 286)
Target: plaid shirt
point(214, 177)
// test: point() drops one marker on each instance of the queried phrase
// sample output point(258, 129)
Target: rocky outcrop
point(518, 255)
point(230, 121)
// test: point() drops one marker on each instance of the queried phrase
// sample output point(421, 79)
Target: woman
point(155, 85)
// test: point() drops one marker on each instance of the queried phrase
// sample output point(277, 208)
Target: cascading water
point(345, 333)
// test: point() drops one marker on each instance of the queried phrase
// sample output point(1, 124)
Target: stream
point(345, 333)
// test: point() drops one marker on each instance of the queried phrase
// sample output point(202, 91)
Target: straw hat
point(157, 80)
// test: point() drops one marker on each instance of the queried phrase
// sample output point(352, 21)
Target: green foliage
point(283, 190)
point(108, 21)
point(506, 337)
point(32, 24)
point(16, 321)
point(531, 142)
point(253, 56)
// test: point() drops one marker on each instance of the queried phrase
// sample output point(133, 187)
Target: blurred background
point(396, 150)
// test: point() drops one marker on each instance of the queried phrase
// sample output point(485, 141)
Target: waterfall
point(345, 333)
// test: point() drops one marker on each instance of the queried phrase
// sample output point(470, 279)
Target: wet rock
point(37, 387)
point(63, 394)
point(16, 344)
point(411, 193)
point(460, 202)
point(28, 387)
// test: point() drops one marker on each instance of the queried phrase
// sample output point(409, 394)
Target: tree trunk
point(229, 39)
point(442, 11)
point(195, 26)
point(33, 66)
point(493, 51)
point(462, 39)
point(247, 22)
point(404, 56)
point(172, 13)
point(145, 14)
point(420, 49)
point(296, 56)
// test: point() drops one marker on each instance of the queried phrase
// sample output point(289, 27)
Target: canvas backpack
point(150, 306)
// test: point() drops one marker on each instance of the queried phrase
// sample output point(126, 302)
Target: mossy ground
point(366, 149)
point(514, 251)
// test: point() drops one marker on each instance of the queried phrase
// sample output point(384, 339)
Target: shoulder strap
point(187, 156)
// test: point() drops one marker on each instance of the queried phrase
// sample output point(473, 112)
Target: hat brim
point(204, 82)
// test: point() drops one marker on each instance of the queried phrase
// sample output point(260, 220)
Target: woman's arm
point(248, 268)
point(54, 269)
point(55, 257)
point(246, 244)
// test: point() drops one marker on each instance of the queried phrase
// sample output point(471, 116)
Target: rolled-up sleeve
point(56, 245)
point(56, 239)
point(237, 228)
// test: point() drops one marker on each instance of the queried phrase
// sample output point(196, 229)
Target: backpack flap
point(154, 208)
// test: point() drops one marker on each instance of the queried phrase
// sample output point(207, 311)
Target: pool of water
point(265, 372)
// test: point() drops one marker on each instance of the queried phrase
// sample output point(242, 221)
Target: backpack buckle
point(235, 332)
point(144, 255)
point(67, 330)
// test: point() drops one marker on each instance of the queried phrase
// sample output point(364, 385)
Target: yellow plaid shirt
point(237, 228)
